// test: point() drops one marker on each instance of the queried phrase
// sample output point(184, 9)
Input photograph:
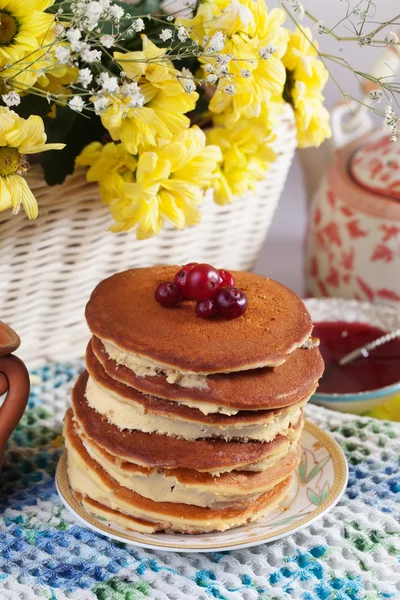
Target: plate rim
point(338, 488)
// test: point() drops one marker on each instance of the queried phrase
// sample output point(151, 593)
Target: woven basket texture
point(49, 267)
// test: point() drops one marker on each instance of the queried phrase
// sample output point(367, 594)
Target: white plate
point(317, 486)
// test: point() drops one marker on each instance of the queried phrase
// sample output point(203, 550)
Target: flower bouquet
point(158, 107)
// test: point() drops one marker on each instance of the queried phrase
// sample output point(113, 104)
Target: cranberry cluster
point(214, 290)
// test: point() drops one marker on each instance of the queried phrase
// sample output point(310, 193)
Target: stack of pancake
point(186, 424)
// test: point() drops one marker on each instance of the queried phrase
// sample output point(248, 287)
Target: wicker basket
point(50, 266)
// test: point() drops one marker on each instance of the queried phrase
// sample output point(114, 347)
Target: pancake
point(188, 486)
point(161, 451)
point(127, 408)
point(122, 311)
point(114, 517)
point(89, 480)
point(257, 389)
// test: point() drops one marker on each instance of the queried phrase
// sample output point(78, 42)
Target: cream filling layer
point(87, 482)
point(160, 488)
point(132, 416)
point(145, 367)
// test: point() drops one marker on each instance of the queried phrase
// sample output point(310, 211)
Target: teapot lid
point(375, 166)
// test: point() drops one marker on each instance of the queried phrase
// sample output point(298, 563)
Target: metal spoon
point(366, 349)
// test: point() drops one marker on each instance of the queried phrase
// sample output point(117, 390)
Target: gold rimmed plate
point(318, 485)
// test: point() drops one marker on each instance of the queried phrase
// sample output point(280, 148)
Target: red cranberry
point(168, 294)
point(203, 282)
point(230, 302)
point(181, 278)
point(226, 278)
point(205, 309)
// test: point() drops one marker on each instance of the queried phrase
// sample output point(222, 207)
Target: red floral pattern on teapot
point(353, 244)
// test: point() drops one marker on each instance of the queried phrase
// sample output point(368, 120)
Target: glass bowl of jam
point(342, 326)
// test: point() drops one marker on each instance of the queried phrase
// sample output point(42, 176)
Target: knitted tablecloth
point(352, 553)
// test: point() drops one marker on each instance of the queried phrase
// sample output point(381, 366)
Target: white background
point(282, 255)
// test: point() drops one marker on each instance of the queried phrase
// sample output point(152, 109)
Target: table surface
point(352, 553)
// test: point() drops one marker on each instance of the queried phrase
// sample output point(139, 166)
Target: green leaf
point(74, 130)
point(325, 492)
point(313, 497)
point(317, 469)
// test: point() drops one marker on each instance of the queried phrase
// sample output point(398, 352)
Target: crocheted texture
point(350, 554)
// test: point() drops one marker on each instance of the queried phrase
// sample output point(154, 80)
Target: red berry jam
point(379, 369)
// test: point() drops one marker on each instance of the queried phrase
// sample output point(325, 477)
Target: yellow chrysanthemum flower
point(246, 156)
point(24, 28)
point(160, 106)
point(306, 77)
point(256, 41)
point(169, 184)
point(110, 165)
point(19, 137)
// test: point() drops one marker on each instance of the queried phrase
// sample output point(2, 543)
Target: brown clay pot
point(14, 380)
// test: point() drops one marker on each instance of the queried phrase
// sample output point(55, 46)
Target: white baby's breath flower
point(116, 13)
point(321, 27)
point(107, 41)
point(91, 56)
point(223, 59)
point(93, 13)
point(108, 83)
point(217, 42)
point(136, 101)
point(170, 18)
point(183, 34)
point(138, 25)
point(230, 89)
point(85, 77)
point(100, 104)
point(266, 51)
point(298, 8)
point(209, 68)
point(245, 73)
point(11, 99)
point(393, 138)
point(391, 37)
point(58, 30)
point(129, 89)
point(76, 103)
point(211, 78)
point(74, 35)
point(63, 54)
point(187, 73)
point(375, 95)
point(165, 35)
point(189, 86)
point(390, 121)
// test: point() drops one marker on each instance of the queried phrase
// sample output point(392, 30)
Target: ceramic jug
point(14, 382)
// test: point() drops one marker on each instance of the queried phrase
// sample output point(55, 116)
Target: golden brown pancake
point(122, 310)
point(161, 451)
point(185, 485)
point(257, 389)
point(114, 516)
point(88, 478)
point(174, 410)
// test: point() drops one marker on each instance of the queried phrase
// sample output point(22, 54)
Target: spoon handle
point(366, 349)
